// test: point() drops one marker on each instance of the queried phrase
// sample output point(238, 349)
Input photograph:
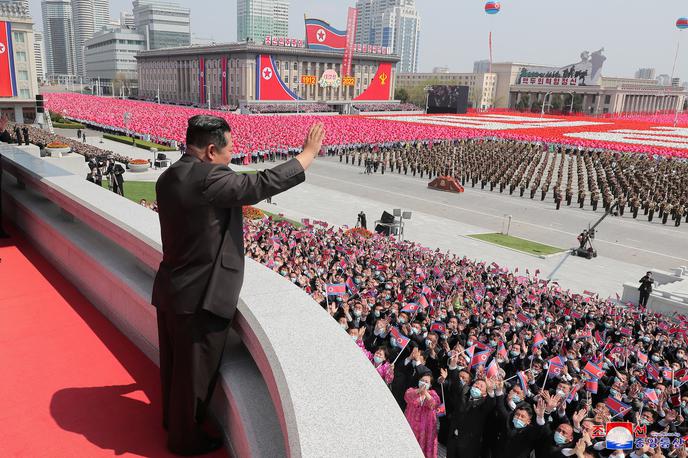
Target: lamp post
point(126, 119)
point(427, 90)
point(544, 101)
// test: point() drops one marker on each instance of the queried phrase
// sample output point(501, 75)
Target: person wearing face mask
point(421, 402)
point(523, 429)
point(471, 405)
point(380, 360)
point(557, 441)
point(404, 371)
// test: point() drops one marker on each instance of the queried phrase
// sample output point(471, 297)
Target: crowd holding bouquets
point(505, 362)
point(270, 134)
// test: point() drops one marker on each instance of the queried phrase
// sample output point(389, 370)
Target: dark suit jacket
point(200, 210)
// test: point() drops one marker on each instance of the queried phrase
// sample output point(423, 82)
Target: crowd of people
point(165, 123)
point(372, 107)
point(488, 361)
point(43, 138)
point(267, 108)
point(657, 187)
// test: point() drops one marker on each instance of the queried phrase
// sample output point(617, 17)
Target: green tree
point(401, 94)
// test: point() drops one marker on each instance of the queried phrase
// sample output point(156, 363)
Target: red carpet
point(72, 385)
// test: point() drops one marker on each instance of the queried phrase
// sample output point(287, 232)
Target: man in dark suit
point(645, 289)
point(197, 286)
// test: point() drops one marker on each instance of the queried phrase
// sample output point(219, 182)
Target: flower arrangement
point(56, 145)
point(359, 231)
point(139, 162)
point(253, 212)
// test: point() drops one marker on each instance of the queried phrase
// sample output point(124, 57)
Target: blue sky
point(634, 33)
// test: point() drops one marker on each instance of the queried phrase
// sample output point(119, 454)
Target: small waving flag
point(538, 340)
point(592, 385)
point(492, 369)
point(426, 291)
point(423, 302)
point(653, 371)
point(501, 350)
point(399, 338)
point(523, 318)
point(351, 285)
point(616, 406)
point(441, 410)
point(336, 289)
point(480, 358)
point(642, 357)
point(594, 370)
point(438, 326)
point(411, 308)
point(650, 395)
point(557, 361)
point(522, 380)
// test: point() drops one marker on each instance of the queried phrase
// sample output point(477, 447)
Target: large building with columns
point(598, 94)
point(239, 73)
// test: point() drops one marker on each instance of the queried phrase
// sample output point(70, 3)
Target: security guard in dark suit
point(197, 286)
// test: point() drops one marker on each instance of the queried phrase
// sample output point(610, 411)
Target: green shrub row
point(68, 125)
point(139, 143)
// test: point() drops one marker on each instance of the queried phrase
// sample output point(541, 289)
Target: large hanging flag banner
point(350, 41)
point(201, 80)
point(321, 35)
point(8, 83)
point(381, 86)
point(224, 80)
point(269, 84)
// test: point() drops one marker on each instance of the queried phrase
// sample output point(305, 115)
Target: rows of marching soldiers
point(641, 185)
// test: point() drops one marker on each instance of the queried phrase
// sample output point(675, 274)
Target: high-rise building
point(481, 66)
point(110, 57)
point(676, 82)
point(257, 19)
point(39, 55)
point(391, 23)
point(163, 24)
point(664, 80)
point(645, 73)
point(88, 17)
point(58, 35)
point(126, 20)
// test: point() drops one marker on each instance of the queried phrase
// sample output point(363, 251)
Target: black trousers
point(644, 296)
point(191, 348)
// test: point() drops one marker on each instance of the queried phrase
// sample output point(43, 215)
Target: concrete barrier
point(290, 374)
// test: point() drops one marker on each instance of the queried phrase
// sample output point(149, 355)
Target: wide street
point(624, 239)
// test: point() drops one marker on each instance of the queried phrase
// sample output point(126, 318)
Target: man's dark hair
point(204, 130)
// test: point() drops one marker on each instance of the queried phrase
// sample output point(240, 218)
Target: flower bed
point(57, 149)
point(359, 231)
point(139, 165)
point(253, 212)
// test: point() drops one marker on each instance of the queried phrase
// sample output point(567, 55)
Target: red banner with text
point(350, 41)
